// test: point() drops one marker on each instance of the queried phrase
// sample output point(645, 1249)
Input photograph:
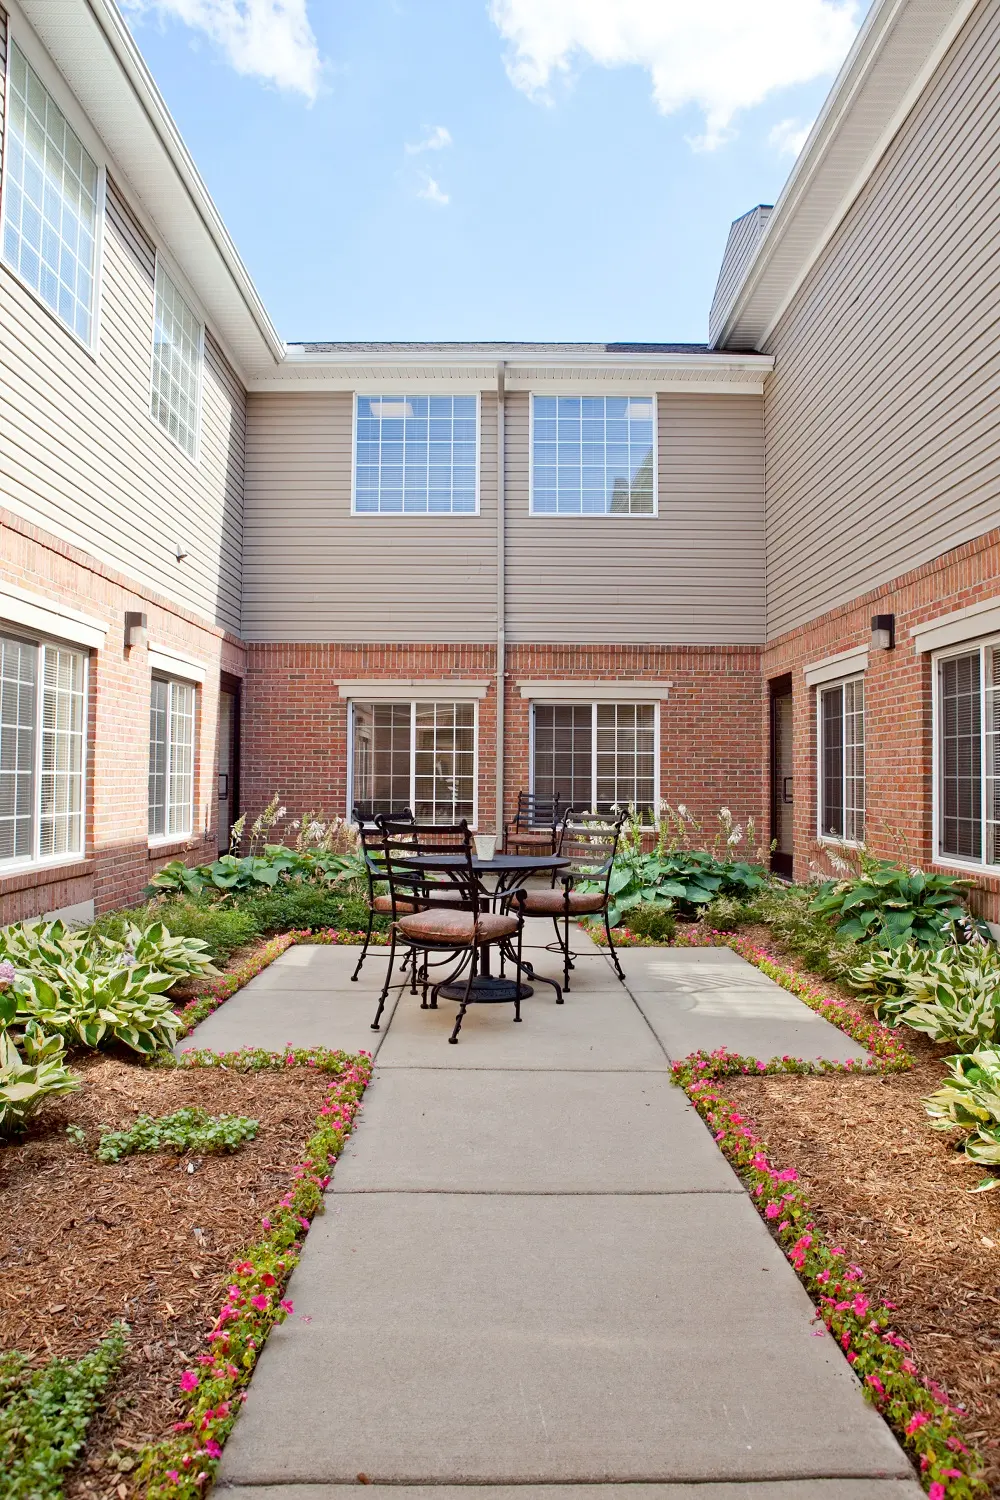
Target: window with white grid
point(595, 756)
point(593, 455)
point(417, 755)
point(171, 758)
point(177, 352)
point(416, 455)
point(967, 736)
point(42, 750)
point(50, 201)
point(842, 761)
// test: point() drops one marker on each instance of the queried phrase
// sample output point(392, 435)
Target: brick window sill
point(27, 880)
point(167, 848)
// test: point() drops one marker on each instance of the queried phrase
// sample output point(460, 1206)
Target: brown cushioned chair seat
point(444, 926)
point(383, 905)
point(552, 903)
point(531, 836)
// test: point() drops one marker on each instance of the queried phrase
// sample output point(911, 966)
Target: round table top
point(500, 864)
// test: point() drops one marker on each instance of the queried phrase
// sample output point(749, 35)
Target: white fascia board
point(403, 689)
point(831, 668)
point(49, 617)
point(967, 624)
point(173, 664)
point(594, 692)
point(895, 54)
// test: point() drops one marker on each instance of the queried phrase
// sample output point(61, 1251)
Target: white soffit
point(594, 692)
point(405, 689)
point(831, 668)
point(962, 625)
point(173, 664)
point(91, 46)
point(49, 617)
point(894, 56)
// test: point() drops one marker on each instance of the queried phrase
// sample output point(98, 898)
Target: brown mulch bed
point(895, 1194)
point(145, 1240)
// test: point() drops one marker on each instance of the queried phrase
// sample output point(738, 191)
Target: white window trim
point(178, 835)
point(162, 263)
point(967, 626)
point(824, 684)
point(837, 668)
point(410, 690)
point(602, 691)
point(598, 515)
point(166, 662)
point(400, 697)
point(587, 701)
point(19, 33)
point(50, 618)
point(954, 861)
point(416, 515)
point(18, 866)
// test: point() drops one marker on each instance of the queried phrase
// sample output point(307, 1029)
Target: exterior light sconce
point(180, 551)
point(135, 628)
point(883, 632)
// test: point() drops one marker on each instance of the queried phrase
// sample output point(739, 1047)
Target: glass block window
point(416, 455)
point(42, 750)
point(596, 756)
point(416, 755)
point(842, 761)
point(593, 455)
point(171, 758)
point(50, 201)
point(176, 383)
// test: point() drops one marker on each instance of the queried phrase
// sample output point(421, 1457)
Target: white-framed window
point(596, 756)
point(43, 735)
point(841, 748)
point(416, 455)
point(52, 193)
point(178, 345)
point(171, 758)
point(593, 455)
point(967, 754)
point(420, 755)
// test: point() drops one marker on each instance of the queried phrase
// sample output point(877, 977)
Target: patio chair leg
point(614, 953)
point(517, 973)
point(385, 987)
point(566, 962)
point(473, 967)
point(368, 938)
point(567, 957)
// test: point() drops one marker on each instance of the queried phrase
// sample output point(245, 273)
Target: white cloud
point(789, 136)
point(268, 39)
point(720, 55)
point(439, 137)
point(432, 191)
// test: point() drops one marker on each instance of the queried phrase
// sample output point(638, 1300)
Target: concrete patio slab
point(523, 1132)
point(567, 1339)
point(262, 1016)
point(319, 966)
point(767, 1489)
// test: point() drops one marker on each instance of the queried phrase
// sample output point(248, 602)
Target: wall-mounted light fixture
point(135, 628)
point(180, 551)
point(883, 632)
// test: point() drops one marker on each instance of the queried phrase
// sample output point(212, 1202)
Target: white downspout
point(501, 599)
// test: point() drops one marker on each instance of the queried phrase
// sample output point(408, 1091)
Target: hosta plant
point(892, 904)
point(88, 1005)
point(42, 947)
point(887, 971)
point(154, 947)
point(29, 1073)
point(956, 999)
point(970, 1101)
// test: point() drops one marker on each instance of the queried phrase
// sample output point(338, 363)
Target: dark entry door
point(229, 759)
point(782, 786)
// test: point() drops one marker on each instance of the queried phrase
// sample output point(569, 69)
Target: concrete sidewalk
point(536, 1270)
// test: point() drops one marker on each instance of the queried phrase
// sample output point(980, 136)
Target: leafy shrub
point(186, 1130)
point(87, 1004)
point(293, 906)
point(30, 1074)
point(44, 1415)
point(893, 905)
point(231, 873)
point(222, 928)
point(657, 923)
point(155, 947)
point(956, 998)
point(806, 934)
point(728, 913)
point(42, 947)
point(970, 1101)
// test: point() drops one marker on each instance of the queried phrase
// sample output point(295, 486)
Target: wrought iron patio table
point(511, 871)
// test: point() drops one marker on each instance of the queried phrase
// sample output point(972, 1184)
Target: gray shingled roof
point(500, 348)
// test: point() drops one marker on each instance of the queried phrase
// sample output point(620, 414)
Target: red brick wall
point(897, 705)
point(118, 862)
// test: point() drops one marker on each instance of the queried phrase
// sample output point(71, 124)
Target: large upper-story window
point(50, 201)
point(171, 758)
point(593, 455)
point(842, 761)
point(177, 353)
point(967, 745)
point(42, 739)
point(596, 756)
point(416, 755)
point(416, 455)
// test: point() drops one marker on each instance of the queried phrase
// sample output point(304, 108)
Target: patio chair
point(370, 836)
point(533, 829)
point(591, 844)
point(437, 909)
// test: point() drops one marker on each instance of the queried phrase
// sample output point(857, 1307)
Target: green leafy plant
point(89, 1005)
point(970, 1101)
point(45, 1413)
point(955, 999)
point(657, 923)
point(223, 928)
point(892, 904)
point(155, 947)
point(42, 947)
point(31, 1072)
point(296, 906)
point(186, 1130)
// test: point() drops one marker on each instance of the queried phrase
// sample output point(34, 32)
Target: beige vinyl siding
point(312, 571)
point(80, 456)
point(883, 446)
point(692, 574)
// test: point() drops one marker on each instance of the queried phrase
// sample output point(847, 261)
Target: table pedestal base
point(487, 991)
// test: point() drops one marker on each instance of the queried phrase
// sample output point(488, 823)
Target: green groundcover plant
point(893, 904)
point(970, 1101)
point(45, 1413)
point(31, 1070)
point(186, 1130)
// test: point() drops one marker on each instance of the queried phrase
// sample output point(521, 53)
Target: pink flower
point(267, 1279)
point(260, 1302)
point(936, 1491)
point(212, 1449)
point(288, 1306)
point(189, 1381)
point(173, 1476)
point(917, 1421)
point(772, 1210)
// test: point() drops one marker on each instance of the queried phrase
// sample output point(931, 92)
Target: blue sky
point(579, 161)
